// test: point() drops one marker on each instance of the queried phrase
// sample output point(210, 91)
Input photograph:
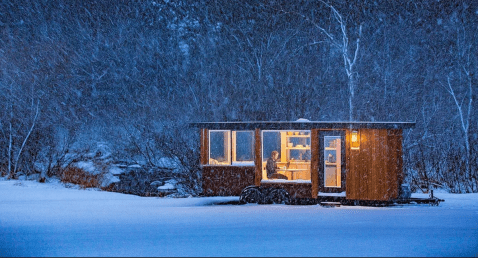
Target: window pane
point(271, 141)
point(332, 161)
point(293, 155)
point(244, 146)
point(219, 148)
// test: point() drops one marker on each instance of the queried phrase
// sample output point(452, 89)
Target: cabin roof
point(301, 125)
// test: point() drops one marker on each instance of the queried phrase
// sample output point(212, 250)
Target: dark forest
point(129, 76)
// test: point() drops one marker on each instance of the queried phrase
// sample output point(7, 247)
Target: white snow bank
point(50, 220)
point(108, 179)
point(87, 166)
point(114, 170)
point(167, 186)
point(168, 163)
point(342, 194)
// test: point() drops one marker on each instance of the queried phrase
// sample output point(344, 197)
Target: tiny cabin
point(361, 160)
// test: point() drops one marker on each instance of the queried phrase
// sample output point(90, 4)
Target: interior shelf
point(298, 148)
point(298, 136)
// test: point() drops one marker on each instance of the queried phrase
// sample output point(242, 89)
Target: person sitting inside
point(271, 167)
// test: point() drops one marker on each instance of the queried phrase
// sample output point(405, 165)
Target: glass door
point(332, 161)
point(332, 170)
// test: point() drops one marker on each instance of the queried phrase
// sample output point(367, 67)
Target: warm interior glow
point(332, 161)
point(355, 140)
point(294, 154)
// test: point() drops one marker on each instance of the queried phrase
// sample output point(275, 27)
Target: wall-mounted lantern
point(355, 141)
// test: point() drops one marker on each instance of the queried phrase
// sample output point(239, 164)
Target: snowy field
point(51, 220)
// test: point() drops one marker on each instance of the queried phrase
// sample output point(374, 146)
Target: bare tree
point(12, 174)
point(349, 51)
point(464, 108)
point(459, 85)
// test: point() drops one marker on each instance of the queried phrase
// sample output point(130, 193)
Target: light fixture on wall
point(355, 141)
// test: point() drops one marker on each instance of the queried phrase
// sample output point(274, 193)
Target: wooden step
point(329, 204)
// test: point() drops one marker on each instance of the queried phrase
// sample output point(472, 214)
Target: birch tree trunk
point(462, 94)
point(465, 116)
point(25, 140)
point(349, 53)
point(10, 134)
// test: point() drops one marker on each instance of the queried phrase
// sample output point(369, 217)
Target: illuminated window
point(332, 161)
point(293, 150)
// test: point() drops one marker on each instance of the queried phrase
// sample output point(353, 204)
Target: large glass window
point(292, 155)
point(231, 147)
point(243, 147)
point(219, 147)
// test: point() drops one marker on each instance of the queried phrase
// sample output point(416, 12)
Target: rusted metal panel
point(258, 157)
point(226, 180)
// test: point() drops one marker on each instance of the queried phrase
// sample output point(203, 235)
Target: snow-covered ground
point(51, 220)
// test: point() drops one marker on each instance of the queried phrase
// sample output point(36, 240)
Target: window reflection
point(243, 147)
point(219, 147)
point(231, 147)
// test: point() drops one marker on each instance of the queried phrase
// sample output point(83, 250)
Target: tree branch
point(26, 138)
point(460, 111)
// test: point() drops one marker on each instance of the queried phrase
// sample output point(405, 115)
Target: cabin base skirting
point(333, 201)
point(326, 200)
point(279, 194)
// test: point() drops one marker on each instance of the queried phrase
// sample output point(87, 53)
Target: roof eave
point(292, 125)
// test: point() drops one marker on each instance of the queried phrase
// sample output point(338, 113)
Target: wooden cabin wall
point(204, 141)
point(226, 180)
point(374, 171)
point(258, 157)
point(395, 140)
point(295, 190)
point(314, 162)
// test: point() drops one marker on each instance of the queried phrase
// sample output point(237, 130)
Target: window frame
point(338, 160)
point(228, 153)
point(234, 161)
point(264, 158)
point(232, 148)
